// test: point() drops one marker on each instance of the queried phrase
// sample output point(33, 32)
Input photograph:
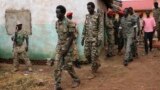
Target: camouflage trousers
point(111, 43)
point(158, 30)
point(128, 48)
point(75, 51)
point(158, 34)
point(134, 48)
point(19, 52)
point(65, 64)
point(91, 53)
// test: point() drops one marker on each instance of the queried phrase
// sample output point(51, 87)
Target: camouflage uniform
point(121, 37)
point(19, 49)
point(127, 25)
point(136, 29)
point(92, 34)
point(75, 48)
point(156, 15)
point(109, 29)
point(63, 28)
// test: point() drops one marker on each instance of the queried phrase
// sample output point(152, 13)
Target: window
point(12, 16)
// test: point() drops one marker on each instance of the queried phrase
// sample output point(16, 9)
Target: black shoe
point(89, 61)
point(125, 63)
point(150, 50)
point(146, 53)
point(77, 64)
point(57, 88)
point(109, 55)
point(130, 60)
point(135, 55)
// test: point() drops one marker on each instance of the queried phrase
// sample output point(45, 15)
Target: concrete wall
point(44, 37)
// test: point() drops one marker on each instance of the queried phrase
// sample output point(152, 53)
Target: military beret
point(69, 14)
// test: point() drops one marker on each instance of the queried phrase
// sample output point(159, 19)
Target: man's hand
point(82, 42)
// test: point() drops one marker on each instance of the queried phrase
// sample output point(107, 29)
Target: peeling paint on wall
point(44, 37)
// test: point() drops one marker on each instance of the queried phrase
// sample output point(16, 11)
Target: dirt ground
point(141, 74)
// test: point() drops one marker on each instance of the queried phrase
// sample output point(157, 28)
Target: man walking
point(92, 38)
point(136, 30)
point(109, 29)
point(127, 23)
point(149, 28)
point(64, 50)
point(76, 61)
point(156, 15)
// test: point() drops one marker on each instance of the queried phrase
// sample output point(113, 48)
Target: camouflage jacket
point(93, 27)
point(136, 17)
point(63, 29)
point(127, 24)
point(109, 24)
point(156, 15)
point(19, 38)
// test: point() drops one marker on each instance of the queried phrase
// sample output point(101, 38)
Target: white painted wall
point(43, 11)
point(44, 37)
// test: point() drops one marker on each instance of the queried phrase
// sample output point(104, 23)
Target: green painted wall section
point(42, 42)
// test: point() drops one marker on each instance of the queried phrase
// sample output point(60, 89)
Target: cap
point(69, 14)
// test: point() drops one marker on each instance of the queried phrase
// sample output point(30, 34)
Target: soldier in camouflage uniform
point(76, 61)
point(92, 38)
point(127, 23)
point(20, 48)
point(136, 30)
point(121, 34)
point(109, 29)
point(156, 15)
point(64, 54)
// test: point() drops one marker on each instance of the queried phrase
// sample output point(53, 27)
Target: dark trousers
point(116, 36)
point(148, 36)
point(120, 43)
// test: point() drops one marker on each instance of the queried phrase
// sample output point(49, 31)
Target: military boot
point(75, 83)
point(95, 67)
point(125, 63)
point(89, 61)
point(77, 63)
point(57, 87)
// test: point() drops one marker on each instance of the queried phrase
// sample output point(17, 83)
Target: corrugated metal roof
point(138, 4)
